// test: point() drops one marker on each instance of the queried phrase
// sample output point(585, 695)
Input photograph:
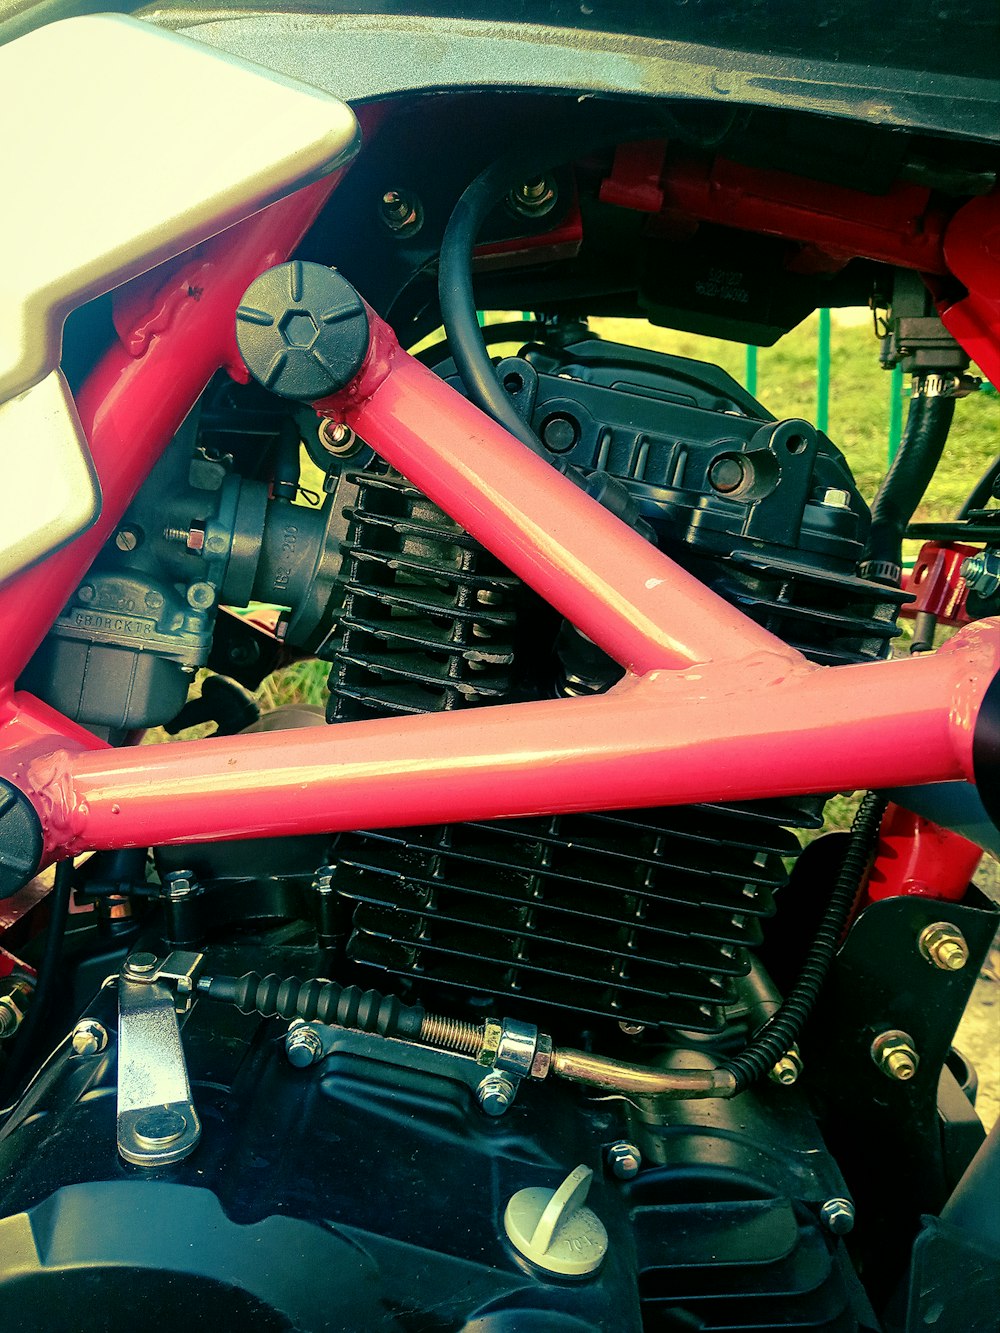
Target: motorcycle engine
point(351, 1181)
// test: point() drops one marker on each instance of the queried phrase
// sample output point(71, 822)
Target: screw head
point(496, 1093)
point(126, 539)
point(833, 498)
point(944, 946)
point(89, 1037)
point(303, 1046)
point(895, 1054)
point(837, 1215)
point(624, 1160)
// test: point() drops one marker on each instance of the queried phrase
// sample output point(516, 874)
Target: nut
point(895, 1054)
point(303, 1046)
point(788, 1069)
point(944, 945)
point(89, 1037)
point(495, 1093)
point(624, 1160)
point(13, 1008)
point(837, 1215)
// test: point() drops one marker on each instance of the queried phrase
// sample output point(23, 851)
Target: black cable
point(512, 330)
point(317, 1000)
point(41, 1000)
point(916, 460)
point(783, 1030)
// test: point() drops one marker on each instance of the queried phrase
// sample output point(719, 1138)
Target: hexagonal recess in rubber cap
point(20, 839)
point(302, 330)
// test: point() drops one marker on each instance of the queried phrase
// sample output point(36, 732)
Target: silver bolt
point(399, 212)
point(835, 499)
point(126, 539)
point(837, 1215)
point(303, 1045)
point(89, 1037)
point(140, 964)
point(632, 1029)
point(895, 1054)
point(533, 198)
point(624, 1160)
point(982, 573)
point(496, 1093)
point(200, 596)
point(86, 592)
point(944, 945)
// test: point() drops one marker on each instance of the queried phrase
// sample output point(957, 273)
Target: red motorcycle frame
point(712, 707)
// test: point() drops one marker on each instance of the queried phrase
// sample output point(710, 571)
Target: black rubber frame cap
point(302, 331)
point(986, 751)
point(20, 839)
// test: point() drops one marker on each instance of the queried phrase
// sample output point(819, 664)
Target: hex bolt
point(944, 946)
point(13, 1007)
point(832, 498)
point(837, 1215)
point(788, 1069)
point(303, 1045)
point(895, 1054)
point(496, 1093)
point(140, 965)
point(624, 1160)
point(534, 198)
point(337, 438)
point(89, 1037)
point(400, 212)
point(982, 573)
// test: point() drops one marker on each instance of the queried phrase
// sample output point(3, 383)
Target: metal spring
point(451, 1034)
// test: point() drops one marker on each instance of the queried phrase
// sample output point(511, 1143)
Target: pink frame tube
point(713, 707)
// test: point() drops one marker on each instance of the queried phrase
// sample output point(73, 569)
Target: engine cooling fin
point(429, 619)
point(646, 917)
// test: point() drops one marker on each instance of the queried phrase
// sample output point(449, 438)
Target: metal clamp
point(157, 1121)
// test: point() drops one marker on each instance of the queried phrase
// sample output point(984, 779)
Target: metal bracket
point(157, 1121)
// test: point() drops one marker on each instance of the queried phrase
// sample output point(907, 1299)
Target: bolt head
point(837, 1215)
point(632, 1029)
point(141, 964)
point(835, 499)
point(496, 1093)
point(624, 1160)
point(303, 1046)
point(944, 946)
point(126, 539)
point(89, 1037)
point(896, 1055)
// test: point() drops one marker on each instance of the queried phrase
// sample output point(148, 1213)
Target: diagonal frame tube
point(713, 707)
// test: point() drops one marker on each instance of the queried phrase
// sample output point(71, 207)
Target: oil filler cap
point(554, 1229)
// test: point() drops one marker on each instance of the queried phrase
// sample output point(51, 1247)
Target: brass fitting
point(13, 1006)
point(788, 1069)
point(944, 946)
point(895, 1054)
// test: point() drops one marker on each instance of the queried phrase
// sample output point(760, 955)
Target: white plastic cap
point(554, 1230)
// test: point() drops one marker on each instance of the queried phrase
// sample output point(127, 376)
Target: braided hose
point(784, 1029)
